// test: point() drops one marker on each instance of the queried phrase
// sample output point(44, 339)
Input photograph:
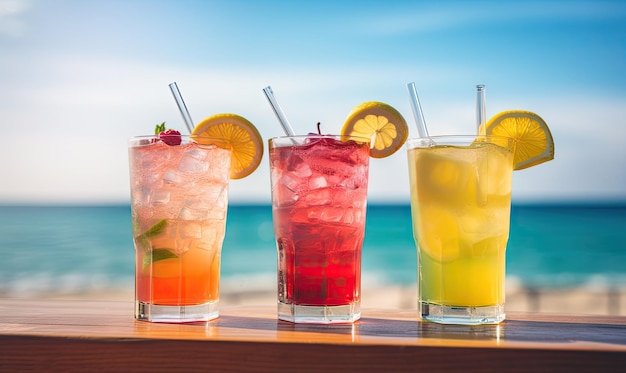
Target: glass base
point(176, 314)
point(319, 314)
point(461, 315)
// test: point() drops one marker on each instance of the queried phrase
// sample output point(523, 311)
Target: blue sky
point(78, 78)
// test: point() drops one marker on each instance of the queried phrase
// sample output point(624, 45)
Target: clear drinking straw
point(278, 111)
point(181, 106)
point(480, 106)
point(417, 111)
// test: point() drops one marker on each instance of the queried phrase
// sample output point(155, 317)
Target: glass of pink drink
point(319, 201)
point(179, 201)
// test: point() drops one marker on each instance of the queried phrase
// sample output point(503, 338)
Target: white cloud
point(13, 7)
point(72, 113)
point(72, 130)
point(11, 23)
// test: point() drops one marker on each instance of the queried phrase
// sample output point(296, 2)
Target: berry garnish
point(170, 137)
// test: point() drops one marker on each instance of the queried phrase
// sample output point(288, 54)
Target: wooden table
point(85, 336)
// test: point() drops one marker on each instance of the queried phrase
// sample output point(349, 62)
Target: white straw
point(278, 111)
point(181, 106)
point(417, 110)
point(481, 113)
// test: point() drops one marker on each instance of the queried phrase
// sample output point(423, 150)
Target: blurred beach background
point(79, 78)
point(557, 255)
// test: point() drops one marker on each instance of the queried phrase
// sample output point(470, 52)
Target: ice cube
point(327, 214)
point(318, 197)
point(289, 182)
point(318, 182)
point(141, 195)
point(348, 216)
point(210, 236)
point(160, 197)
point(191, 229)
point(500, 167)
point(152, 178)
point(198, 153)
point(182, 245)
point(188, 213)
point(284, 196)
point(481, 226)
point(488, 247)
point(356, 181)
point(493, 175)
point(210, 196)
point(284, 188)
point(217, 209)
point(192, 165)
point(302, 171)
point(438, 232)
point(353, 216)
point(444, 176)
point(216, 213)
point(210, 205)
point(448, 175)
point(172, 177)
point(218, 172)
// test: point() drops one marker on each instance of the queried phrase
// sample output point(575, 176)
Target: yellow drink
point(460, 203)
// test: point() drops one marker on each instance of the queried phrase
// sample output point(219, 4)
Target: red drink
point(319, 194)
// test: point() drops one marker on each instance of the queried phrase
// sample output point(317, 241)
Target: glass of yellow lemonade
point(460, 204)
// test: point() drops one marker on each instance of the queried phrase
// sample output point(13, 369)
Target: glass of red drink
point(319, 202)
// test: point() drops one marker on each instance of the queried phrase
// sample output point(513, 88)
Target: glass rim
point(318, 136)
point(460, 136)
point(455, 139)
point(151, 136)
point(185, 139)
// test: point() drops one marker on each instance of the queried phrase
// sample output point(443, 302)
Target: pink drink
point(319, 194)
point(179, 201)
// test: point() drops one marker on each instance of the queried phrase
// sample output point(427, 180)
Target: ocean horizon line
point(616, 203)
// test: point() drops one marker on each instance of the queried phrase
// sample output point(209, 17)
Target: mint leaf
point(159, 128)
point(156, 255)
point(155, 230)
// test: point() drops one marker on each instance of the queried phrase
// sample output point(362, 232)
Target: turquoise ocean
point(77, 249)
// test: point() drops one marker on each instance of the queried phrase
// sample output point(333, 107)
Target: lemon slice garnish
point(379, 122)
point(532, 140)
point(239, 134)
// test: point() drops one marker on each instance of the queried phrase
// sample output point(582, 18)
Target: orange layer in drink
point(191, 279)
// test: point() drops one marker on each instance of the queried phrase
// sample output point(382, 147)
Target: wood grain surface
point(77, 335)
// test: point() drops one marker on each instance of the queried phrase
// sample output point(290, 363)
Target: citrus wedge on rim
point(239, 134)
point(532, 140)
point(379, 122)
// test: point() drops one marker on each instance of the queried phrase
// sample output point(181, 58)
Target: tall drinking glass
point(179, 199)
point(319, 200)
point(460, 204)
